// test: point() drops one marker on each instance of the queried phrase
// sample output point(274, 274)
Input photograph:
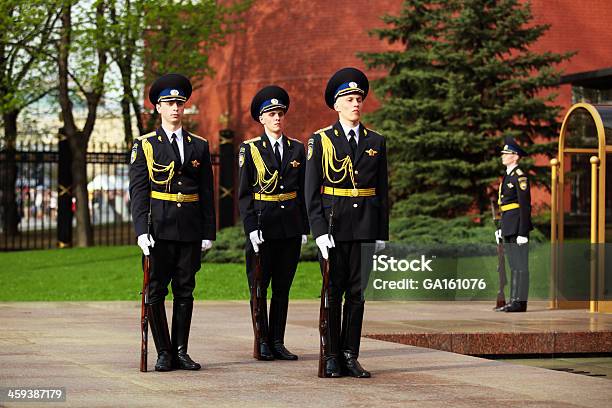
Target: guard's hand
point(324, 242)
point(522, 240)
point(206, 244)
point(379, 245)
point(256, 239)
point(498, 236)
point(304, 239)
point(144, 242)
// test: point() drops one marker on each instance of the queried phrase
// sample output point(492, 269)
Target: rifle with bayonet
point(144, 312)
point(501, 262)
point(257, 296)
point(324, 308)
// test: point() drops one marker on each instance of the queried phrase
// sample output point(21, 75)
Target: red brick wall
point(295, 44)
point(298, 44)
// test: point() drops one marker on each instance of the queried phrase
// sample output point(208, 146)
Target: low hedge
point(465, 236)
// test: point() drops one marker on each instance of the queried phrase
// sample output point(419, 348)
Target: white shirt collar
point(509, 169)
point(347, 129)
point(273, 141)
point(178, 133)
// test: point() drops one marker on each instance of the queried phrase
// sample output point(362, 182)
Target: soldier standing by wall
point(346, 173)
point(171, 184)
point(515, 206)
point(271, 202)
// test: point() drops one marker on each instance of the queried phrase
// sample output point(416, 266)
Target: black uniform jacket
point(515, 189)
point(171, 220)
point(279, 219)
point(355, 218)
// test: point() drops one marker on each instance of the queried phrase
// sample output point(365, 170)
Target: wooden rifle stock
point(501, 263)
point(324, 318)
point(324, 308)
point(501, 270)
point(256, 299)
point(144, 314)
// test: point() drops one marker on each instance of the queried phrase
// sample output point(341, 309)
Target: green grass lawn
point(113, 273)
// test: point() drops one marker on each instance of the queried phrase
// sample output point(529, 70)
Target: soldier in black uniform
point(171, 178)
point(515, 207)
point(271, 201)
point(346, 173)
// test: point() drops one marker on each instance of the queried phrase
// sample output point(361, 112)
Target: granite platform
point(473, 328)
point(92, 350)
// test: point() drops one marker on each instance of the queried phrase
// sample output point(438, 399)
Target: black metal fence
point(37, 193)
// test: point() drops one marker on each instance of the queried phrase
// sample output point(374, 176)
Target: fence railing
point(31, 172)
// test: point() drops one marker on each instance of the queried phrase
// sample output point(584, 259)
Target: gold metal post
point(594, 205)
point(554, 164)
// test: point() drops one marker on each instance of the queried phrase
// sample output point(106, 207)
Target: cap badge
point(174, 92)
point(353, 84)
point(274, 101)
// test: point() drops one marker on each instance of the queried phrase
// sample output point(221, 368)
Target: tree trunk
point(127, 120)
point(8, 170)
point(84, 230)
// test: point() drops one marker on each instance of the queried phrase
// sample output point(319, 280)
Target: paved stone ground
point(92, 349)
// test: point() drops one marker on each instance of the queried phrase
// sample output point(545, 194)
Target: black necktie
point(352, 141)
point(277, 153)
point(176, 148)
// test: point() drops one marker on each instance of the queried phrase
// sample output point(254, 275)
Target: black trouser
point(346, 278)
point(177, 263)
point(518, 259)
point(279, 260)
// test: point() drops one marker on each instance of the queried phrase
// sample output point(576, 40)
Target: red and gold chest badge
point(195, 163)
point(294, 163)
point(371, 152)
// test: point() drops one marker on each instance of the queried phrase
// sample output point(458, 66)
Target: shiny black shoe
point(517, 307)
point(332, 368)
point(164, 361)
point(502, 308)
point(281, 353)
point(352, 368)
point(184, 362)
point(265, 354)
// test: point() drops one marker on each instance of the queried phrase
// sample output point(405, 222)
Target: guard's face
point(349, 107)
point(274, 120)
point(509, 159)
point(171, 112)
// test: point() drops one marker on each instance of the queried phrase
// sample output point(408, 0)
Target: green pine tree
point(461, 76)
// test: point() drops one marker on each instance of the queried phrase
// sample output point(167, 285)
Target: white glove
point(522, 240)
point(324, 242)
point(379, 246)
point(256, 239)
point(144, 242)
point(498, 236)
point(206, 244)
point(304, 239)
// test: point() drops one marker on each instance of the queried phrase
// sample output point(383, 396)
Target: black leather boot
point(352, 367)
point(278, 321)
point(351, 340)
point(263, 352)
point(333, 368)
point(181, 325)
point(161, 337)
point(514, 286)
point(518, 306)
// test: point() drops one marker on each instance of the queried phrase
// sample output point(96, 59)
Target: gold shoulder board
point(146, 135)
point(198, 136)
point(251, 140)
